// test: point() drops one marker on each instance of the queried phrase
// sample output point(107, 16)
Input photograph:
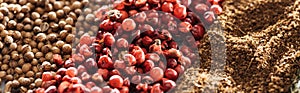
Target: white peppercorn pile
point(31, 32)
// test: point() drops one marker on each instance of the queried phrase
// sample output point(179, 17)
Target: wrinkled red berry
point(171, 74)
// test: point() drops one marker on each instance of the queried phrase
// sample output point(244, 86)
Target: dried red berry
point(139, 55)
point(107, 25)
point(156, 73)
point(216, 9)
point(63, 86)
point(140, 17)
point(105, 62)
point(85, 76)
point(109, 39)
point(140, 3)
point(104, 73)
point(47, 76)
point(124, 89)
point(172, 63)
point(116, 81)
point(96, 90)
point(85, 51)
point(72, 71)
point(185, 27)
point(209, 17)
point(57, 59)
point(85, 39)
point(180, 12)
point(90, 85)
point(156, 89)
point(147, 41)
point(119, 64)
point(167, 7)
point(128, 24)
point(168, 84)
point(179, 69)
point(130, 59)
point(171, 74)
point(198, 31)
point(122, 43)
point(130, 70)
point(152, 56)
point(148, 65)
point(136, 79)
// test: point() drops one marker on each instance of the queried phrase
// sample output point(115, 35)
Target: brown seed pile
point(31, 32)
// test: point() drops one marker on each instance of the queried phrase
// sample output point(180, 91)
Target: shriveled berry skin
point(105, 62)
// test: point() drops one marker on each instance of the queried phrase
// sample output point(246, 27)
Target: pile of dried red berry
point(142, 46)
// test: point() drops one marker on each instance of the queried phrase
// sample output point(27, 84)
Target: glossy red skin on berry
point(105, 62)
point(116, 81)
point(71, 71)
point(57, 59)
point(47, 76)
point(167, 7)
point(109, 39)
point(180, 12)
point(171, 74)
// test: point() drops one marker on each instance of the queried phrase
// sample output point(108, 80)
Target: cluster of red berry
point(136, 48)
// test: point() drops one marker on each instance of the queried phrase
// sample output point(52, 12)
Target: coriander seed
point(60, 13)
point(28, 56)
point(18, 70)
point(8, 40)
point(35, 15)
point(52, 16)
point(26, 67)
point(41, 37)
point(2, 74)
point(67, 48)
point(55, 50)
point(70, 38)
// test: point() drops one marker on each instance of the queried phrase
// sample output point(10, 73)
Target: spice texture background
point(263, 47)
point(50, 46)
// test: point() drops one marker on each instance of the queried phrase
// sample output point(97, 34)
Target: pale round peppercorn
point(49, 56)
point(52, 16)
point(63, 34)
point(57, 5)
point(21, 62)
point(38, 22)
point(18, 70)
point(41, 37)
point(76, 5)
point(2, 27)
point(70, 21)
point(38, 82)
point(26, 48)
point(60, 13)
point(46, 66)
point(8, 40)
point(70, 38)
point(60, 44)
point(40, 10)
point(35, 15)
point(2, 74)
point(37, 29)
point(1, 45)
point(11, 24)
point(49, 7)
point(24, 81)
point(20, 16)
point(28, 56)
point(30, 74)
point(34, 62)
point(15, 56)
point(26, 67)
point(34, 50)
point(39, 54)
point(68, 27)
point(67, 48)
point(4, 67)
point(15, 83)
point(25, 9)
point(55, 50)
point(17, 35)
point(28, 27)
point(13, 46)
point(52, 37)
point(9, 77)
point(46, 48)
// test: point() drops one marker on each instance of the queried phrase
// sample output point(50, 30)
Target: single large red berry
point(171, 74)
point(157, 73)
point(180, 12)
point(105, 62)
point(116, 81)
